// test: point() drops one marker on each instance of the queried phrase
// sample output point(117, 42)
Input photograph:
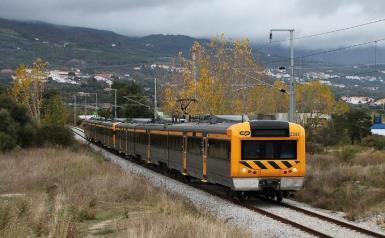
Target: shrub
point(346, 153)
point(7, 142)
point(314, 148)
point(375, 141)
point(56, 135)
point(16, 126)
point(348, 179)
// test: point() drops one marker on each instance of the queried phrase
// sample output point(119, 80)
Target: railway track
point(334, 221)
point(255, 208)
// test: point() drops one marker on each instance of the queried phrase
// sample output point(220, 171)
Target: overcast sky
point(205, 18)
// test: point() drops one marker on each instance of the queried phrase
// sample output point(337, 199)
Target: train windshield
point(269, 149)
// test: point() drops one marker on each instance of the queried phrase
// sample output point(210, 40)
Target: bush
point(7, 142)
point(18, 129)
point(16, 126)
point(56, 135)
point(346, 153)
point(314, 148)
point(375, 141)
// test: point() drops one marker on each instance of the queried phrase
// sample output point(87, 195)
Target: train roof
point(204, 127)
point(192, 126)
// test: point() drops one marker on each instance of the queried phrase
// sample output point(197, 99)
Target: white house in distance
point(378, 128)
point(358, 100)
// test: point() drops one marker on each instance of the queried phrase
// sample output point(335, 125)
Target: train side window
point(130, 136)
point(141, 138)
point(219, 149)
point(158, 141)
point(175, 143)
point(194, 145)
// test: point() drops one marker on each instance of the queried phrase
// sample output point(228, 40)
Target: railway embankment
point(73, 192)
point(349, 179)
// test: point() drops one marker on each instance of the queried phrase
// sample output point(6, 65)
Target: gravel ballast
point(257, 225)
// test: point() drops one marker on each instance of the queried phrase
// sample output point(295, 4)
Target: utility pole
point(74, 110)
point(194, 75)
point(96, 101)
point(155, 102)
point(292, 81)
point(85, 106)
point(116, 115)
point(115, 101)
point(96, 104)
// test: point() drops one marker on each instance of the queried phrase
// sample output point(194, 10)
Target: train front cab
point(267, 155)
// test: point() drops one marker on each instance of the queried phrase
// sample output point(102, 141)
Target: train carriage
point(256, 156)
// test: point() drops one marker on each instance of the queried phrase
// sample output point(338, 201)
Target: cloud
point(205, 18)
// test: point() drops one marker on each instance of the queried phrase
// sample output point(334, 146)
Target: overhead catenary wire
point(332, 50)
point(325, 33)
point(261, 81)
point(336, 30)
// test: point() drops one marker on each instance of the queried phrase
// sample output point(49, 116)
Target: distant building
point(378, 127)
point(302, 118)
point(104, 77)
point(63, 76)
point(380, 102)
point(358, 100)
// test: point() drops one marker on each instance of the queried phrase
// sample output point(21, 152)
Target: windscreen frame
point(294, 146)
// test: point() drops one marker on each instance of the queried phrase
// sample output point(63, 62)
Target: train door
point(104, 136)
point(184, 154)
point(149, 147)
point(204, 157)
point(126, 142)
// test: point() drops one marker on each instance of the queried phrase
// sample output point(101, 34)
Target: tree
point(2, 90)
point(315, 98)
point(318, 99)
point(28, 86)
point(357, 123)
point(222, 76)
point(53, 109)
point(16, 127)
point(230, 81)
point(129, 108)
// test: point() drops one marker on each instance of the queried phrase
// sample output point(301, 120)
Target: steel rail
point(332, 220)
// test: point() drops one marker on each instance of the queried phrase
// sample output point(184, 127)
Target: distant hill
point(274, 55)
point(99, 50)
point(22, 42)
point(86, 48)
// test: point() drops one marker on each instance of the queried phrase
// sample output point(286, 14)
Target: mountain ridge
point(23, 41)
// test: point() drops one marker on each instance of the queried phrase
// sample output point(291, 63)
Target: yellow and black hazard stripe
point(269, 164)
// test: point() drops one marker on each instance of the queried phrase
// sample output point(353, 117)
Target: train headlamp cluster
point(245, 171)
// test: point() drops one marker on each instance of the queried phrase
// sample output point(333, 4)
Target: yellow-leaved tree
point(28, 85)
point(317, 98)
point(224, 78)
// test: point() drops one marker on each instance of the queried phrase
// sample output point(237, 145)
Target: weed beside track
point(55, 192)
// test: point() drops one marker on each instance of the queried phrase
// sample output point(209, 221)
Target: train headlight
point(244, 170)
point(295, 170)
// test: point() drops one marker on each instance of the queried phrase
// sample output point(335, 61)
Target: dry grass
point(350, 180)
point(74, 193)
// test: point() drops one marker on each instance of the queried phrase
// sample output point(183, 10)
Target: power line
point(332, 50)
point(326, 32)
point(343, 48)
point(261, 81)
point(337, 30)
